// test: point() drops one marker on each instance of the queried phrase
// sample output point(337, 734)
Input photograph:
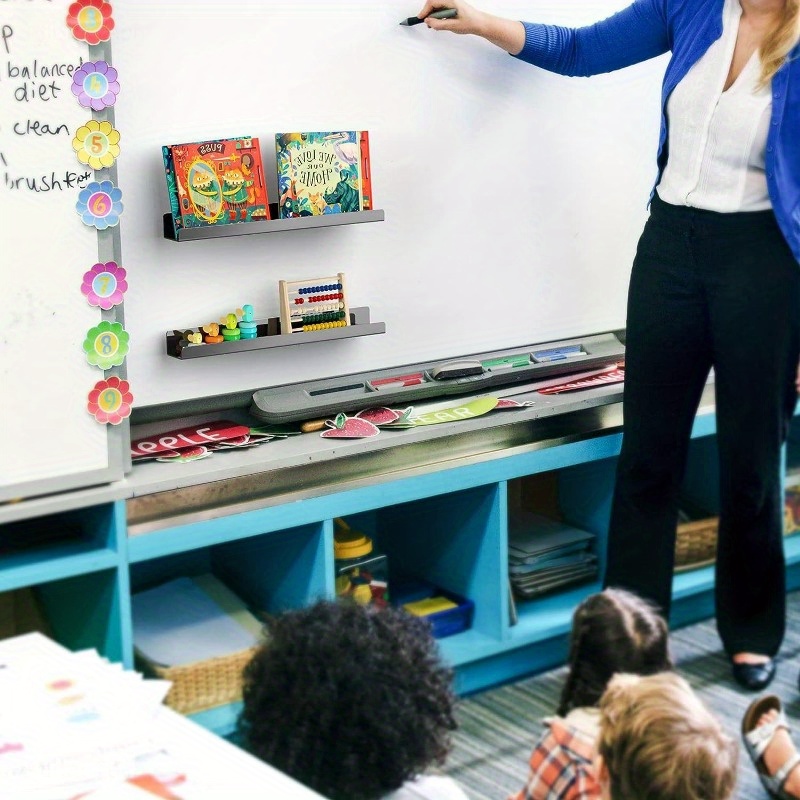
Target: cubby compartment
point(269, 573)
point(59, 545)
point(579, 497)
point(89, 611)
point(79, 612)
point(452, 542)
point(63, 574)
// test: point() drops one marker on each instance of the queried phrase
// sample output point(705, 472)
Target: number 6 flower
point(99, 204)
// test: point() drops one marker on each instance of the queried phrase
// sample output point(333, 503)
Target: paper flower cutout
point(96, 144)
point(90, 21)
point(99, 204)
point(106, 345)
point(104, 285)
point(110, 400)
point(95, 85)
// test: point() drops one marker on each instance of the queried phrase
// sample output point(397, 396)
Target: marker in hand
point(442, 13)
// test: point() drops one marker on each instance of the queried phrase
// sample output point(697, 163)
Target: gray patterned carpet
point(498, 726)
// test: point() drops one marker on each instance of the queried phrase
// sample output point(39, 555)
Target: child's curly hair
point(612, 631)
point(349, 700)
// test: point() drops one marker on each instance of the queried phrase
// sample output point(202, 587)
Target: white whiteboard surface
point(513, 198)
point(48, 439)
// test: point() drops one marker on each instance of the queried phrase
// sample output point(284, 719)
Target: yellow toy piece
point(362, 594)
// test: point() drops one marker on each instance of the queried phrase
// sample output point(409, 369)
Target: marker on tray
point(506, 362)
point(413, 379)
point(559, 353)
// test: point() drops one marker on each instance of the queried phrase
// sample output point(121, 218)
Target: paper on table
point(132, 745)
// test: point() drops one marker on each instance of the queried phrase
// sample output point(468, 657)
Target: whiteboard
point(48, 439)
point(513, 198)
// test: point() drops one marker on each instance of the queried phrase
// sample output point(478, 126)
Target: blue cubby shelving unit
point(442, 513)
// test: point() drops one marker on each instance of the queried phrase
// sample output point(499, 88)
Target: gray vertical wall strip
point(109, 248)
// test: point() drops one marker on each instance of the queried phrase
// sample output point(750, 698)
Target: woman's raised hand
point(467, 19)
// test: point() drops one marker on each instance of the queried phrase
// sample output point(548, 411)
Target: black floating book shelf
point(267, 225)
point(269, 335)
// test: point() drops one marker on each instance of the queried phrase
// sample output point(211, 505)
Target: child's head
point(612, 631)
point(659, 742)
point(349, 700)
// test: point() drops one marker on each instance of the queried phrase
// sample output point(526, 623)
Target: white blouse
point(717, 138)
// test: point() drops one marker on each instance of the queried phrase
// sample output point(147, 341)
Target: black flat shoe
point(754, 676)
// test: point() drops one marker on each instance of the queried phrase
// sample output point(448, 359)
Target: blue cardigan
point(687, 28)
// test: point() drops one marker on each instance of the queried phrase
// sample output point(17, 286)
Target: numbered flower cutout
point(104, 285)
point(110, 400)
point(95, 85)
point(96, 144)
point(106, 345)
point(99, 204)
point(90, 21)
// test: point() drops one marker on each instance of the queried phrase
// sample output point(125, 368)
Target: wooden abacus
point(315, 304)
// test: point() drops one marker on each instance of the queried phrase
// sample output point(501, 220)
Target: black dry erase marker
point(442, 13)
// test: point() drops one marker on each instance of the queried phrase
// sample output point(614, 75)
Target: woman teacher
point(715, 283)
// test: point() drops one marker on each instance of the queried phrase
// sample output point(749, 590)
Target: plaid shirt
point(561, 766)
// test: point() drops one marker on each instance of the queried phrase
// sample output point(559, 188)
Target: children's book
point(325, 172)
point(215, 182)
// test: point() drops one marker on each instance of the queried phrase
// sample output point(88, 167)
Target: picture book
point(323, 173)
point(215, 182)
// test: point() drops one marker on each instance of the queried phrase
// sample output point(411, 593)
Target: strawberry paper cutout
point(379, 415)
point(344, 427)
point(403, 420)
point(507, 402)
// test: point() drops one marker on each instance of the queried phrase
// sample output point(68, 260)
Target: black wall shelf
point(269, 335)
point(267, 225)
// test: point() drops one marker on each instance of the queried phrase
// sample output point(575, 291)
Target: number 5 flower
point(96, 144)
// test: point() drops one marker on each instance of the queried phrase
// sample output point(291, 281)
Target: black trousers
point(722, 290)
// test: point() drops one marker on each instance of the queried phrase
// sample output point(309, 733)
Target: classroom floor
point(498, 726)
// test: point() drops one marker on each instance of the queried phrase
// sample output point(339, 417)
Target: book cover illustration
point(323, 172)
point(215, 182)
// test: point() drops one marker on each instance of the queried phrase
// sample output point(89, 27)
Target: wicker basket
point(696, 544)
point(203, 684)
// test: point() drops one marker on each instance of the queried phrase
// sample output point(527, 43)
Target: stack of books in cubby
point(546, 554)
